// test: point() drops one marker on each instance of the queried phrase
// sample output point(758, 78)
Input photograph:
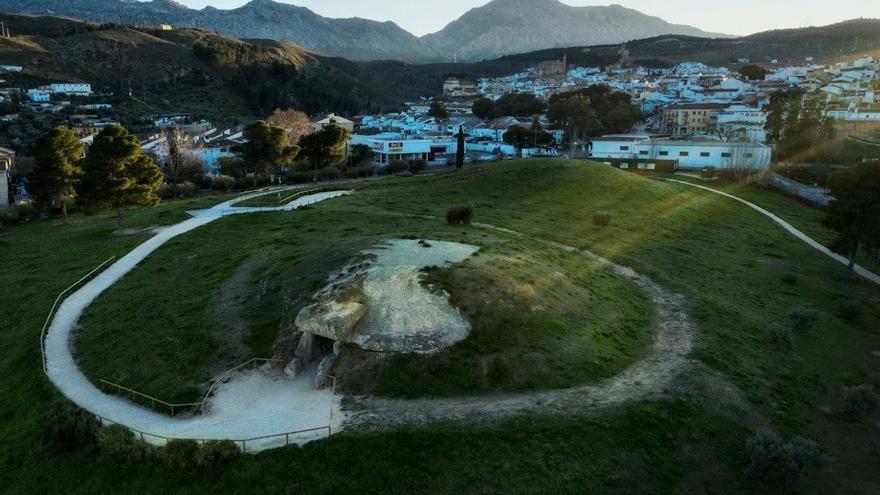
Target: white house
point(334, 119)
point(11, 68)
point(631, 149)
point(72, 89)
point(38, 95)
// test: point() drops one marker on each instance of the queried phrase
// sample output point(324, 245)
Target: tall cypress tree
point(459, 151)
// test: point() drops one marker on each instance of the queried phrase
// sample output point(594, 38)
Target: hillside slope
point(190, 69)
point(356, 39)
point(499, 28)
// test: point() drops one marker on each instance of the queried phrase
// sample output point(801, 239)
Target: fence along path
point(251, 409)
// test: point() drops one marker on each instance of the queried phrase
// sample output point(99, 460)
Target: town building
point(7, 160)
point(39, 95)
point(454, 87)
point(691, 118)
point(388, 147)
point(334, 119)
point(71, 89)
point(645, 152)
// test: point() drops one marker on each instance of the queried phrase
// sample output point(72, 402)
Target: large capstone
point(332, 320)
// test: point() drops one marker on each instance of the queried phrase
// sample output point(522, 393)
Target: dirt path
point(650, 376)
point(859, 270)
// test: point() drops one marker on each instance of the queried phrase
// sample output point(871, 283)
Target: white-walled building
point(334, 119)
point(72, 89)
point(389, 147)
point(630, 149)
point(39, 95)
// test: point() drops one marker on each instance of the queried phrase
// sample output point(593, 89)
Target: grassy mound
point(541, 319)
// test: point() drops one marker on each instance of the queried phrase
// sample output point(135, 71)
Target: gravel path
point(860, 270)
point(652, 375)
point(250, 405)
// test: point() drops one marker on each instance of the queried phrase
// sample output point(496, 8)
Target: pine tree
point(56, 169)
point(117, 175)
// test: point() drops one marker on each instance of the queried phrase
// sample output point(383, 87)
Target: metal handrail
point(55, 307)
point(152, 399)
point(199, 405)
point(242, 441)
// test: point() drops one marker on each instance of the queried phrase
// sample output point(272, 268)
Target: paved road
point(860, 270)
point(251, 405)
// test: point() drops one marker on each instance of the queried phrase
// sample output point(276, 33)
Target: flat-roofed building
point(628, 150)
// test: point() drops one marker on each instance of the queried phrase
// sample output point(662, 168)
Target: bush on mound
point(459, 215)
point(602, 218)
point(858, 402)
point(772, 460)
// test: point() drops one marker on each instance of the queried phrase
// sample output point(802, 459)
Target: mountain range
point(501, 27)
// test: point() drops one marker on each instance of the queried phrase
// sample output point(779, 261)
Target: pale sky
point(732, 17)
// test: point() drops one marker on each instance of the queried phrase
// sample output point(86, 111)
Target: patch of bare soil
point(227, 310)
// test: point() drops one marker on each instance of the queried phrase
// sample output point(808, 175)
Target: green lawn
point(740, 273)
point(807, 219)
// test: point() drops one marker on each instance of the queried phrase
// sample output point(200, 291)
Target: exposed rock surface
point(333, 320)
point(381, 305)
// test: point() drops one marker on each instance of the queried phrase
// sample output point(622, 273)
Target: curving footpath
point(651, 375)
point(859, 270)
point(249, 406)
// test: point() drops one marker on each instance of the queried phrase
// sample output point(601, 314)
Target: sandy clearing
point(248, 406)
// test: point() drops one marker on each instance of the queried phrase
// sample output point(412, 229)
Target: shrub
point(602, 218)
point(9, 217)
point(355, 172)
point(850, 312)
point(858, 403)
point(803, 319)
point(329, 173)
point(69, 428)
point(180, 453)
point(214, 454)
point(244, 183)
point(165, 191)
point(459, 215)
point(789, 279)
point(120, 444)
point(186, 190)
point(222, 183)
point(416, 166)
point(774, 461)
point(780, 338)
point(397, 166)
point(26, 211)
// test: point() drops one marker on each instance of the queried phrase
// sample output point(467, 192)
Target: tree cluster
point(114, 174)
point(753, 72)
point(593, 111)
point(511, 104)
point(535, 137)
point(798, 127)
point(855, 212)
